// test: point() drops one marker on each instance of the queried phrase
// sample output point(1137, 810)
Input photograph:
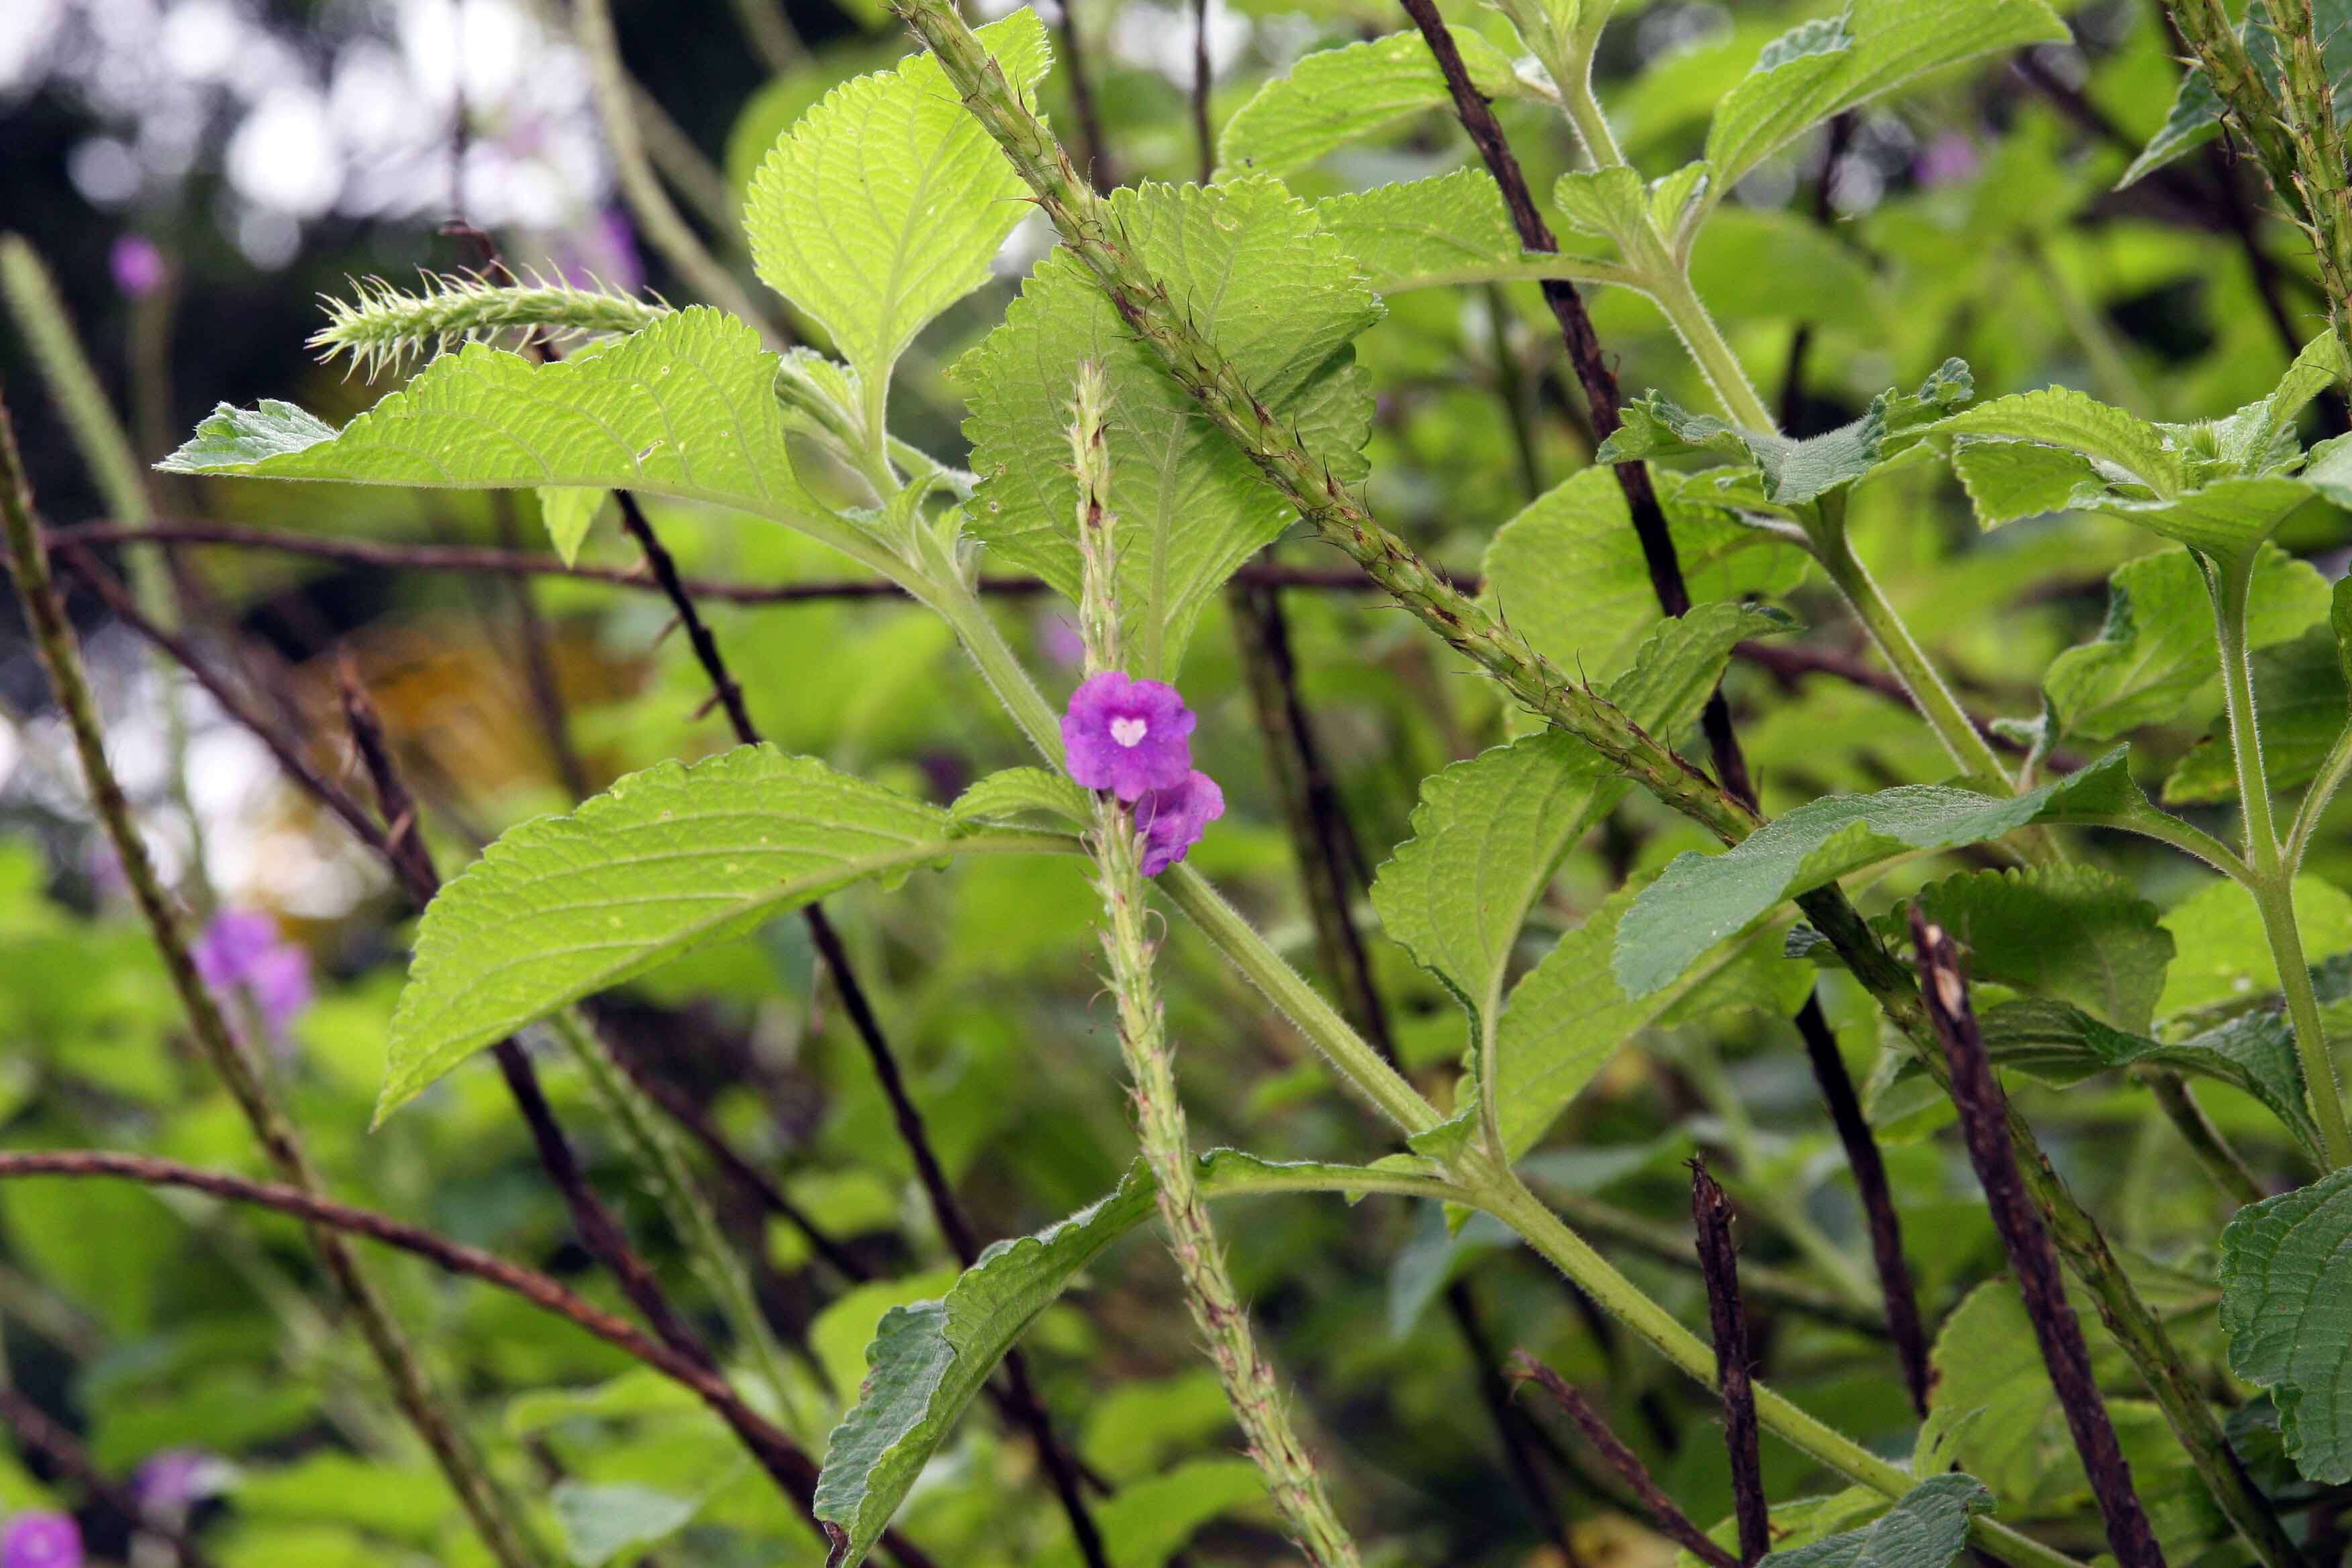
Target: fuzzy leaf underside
point(1248, 264)
point(682, 408)
point(1926, 1528)
point(2286, 1307)
point(667, 859)
point(1702, 899)
point(885, 203)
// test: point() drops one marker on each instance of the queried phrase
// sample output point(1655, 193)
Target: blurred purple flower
point(174, 1479)
point(137, 265)
point(1127, 735)
point(242, 950)
point(41, 1540)
point(1173, 820)
point(1947, 160)
point(620, 237)
point(1058, 639)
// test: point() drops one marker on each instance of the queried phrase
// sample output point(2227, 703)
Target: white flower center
point(1128, 731)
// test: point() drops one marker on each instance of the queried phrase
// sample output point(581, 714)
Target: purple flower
point(1127, 735)
point(41, 1540)
point(1174, 819)
point(1948, 159)
point(174, 1479)
point(137, 265)
point(1058, 639)
point(242, 950)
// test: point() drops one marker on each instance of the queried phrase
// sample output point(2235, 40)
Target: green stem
point(1687, 314)
point(657, 1154)
point(1501, 1194)
point(2315, 800)
point(2274, 886)
point(1937, 704)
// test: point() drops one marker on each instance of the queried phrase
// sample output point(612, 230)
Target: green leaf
point(2073, 932)
point(2011, 481)
point(1702, 899)
point(2225, 956)
point(1260, 279)
point(885, 203)
point(2286, 1307)
point(1334, 96)
point(1794, 471)
point(2123, 445)
point(568, 511)
point(2194, 120)
point(2060, 1044)
point(1926, 1528)
point(1568, 574)
point(1019, 796)
point(683, 408)
point(1453, 229)
point(667, 860)
point(600, 1522)
point(2300, 712)
point(1611, 202)
point(2158, 649)
point(2195, 116)
point(1822, 68)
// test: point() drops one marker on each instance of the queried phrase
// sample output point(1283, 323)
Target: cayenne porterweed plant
point(2118, 1327)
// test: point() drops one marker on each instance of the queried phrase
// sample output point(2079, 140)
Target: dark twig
point(1510, 1422)
point(1718, 1258)
point(1203, 77)
point(476, 559)
point(1984, 1121)
point(1671, 1521)
point(1870, 1175)
point(1027, 1407)
point(44, 1436)
point(1075, 69)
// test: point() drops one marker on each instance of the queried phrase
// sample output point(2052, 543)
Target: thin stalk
point(1671, 1521)
point(1687, 314)
point(1119, 842)
point(657, 1156)
point(1893, 639)
point(1718, 1261)
point(2315, 801)
point(2273, 884)
point(494, 1514)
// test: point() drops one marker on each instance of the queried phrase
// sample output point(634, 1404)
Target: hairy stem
point(2274, 883)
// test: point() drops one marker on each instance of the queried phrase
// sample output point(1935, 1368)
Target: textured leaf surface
point(2124, 445)
point(1024, 795)
point(1338, 96)
point(1702, 899)
point(2074, 933)
point(1926, 1528)
point(1250, 269)
point(885, 204)
point(2223, 955)
point(2158, 649)
point(683, 408)
point(1567, 571)
point(1822, 68)
point(1453, 229)
point(2286, 1306)
point(665, 861)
